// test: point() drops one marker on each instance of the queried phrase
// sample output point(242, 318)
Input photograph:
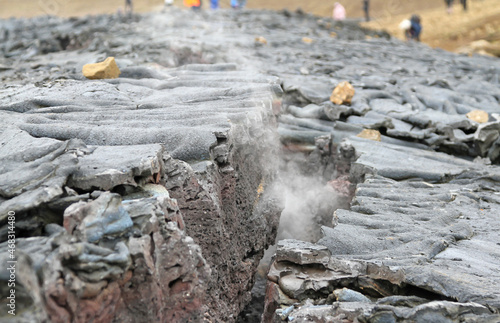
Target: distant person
point(338, 11)
point(214, 4)
point(238, 4)
point(366, 9)
point(416, 27)
point(412, 28)
point(168, 4)
point(193, 4)
point(449, 6)
point(464, 4)
point(128, 6)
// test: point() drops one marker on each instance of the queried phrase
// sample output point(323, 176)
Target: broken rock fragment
point(479, 116)
point(307, 40)
point(301, 252)
point(370, 134)
point(102, 70)
point(261, 40)
point(348, 295)
point(91, 221)
point(343, 93)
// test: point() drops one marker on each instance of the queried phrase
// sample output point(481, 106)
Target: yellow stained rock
point(261, 40)
point(307, 40)
point(333, 34)
point(102, 70)
point(479, 116)
point(343, 93)
point(370, 134)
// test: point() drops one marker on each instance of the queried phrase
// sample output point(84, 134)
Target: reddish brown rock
point(342, 186)
point(272, 302)
point(157, 274)
point(216, 206)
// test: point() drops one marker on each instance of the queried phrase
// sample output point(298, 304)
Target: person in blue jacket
point(416, 27)
point(214, 4)
point(238, 4)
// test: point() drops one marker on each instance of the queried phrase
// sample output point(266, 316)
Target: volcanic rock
point(183, 146)
point(132, 132)
point(347, 295)
point(301, 253)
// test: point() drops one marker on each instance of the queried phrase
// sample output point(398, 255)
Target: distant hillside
point(450, 32)
point(379, 8)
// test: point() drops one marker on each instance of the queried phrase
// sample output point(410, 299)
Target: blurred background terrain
point(477, 30)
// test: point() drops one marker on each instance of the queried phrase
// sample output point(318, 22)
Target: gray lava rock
point(301, 253)
point(192, 114)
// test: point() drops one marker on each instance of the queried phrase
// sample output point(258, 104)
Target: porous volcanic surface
point(152, 197)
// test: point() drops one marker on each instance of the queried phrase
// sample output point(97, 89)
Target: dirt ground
point(450, 32)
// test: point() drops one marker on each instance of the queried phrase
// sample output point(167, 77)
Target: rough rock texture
point(186, 136)
point(319, 292)
point(422, 222)
point(431, 229)
point(153, 175)
point(114, 261)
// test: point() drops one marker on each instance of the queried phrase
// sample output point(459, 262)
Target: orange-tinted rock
point(307, 40)
point(370, 134)
point(102, 70)
point(261, 40)
point(343, 93)
point(479, 116)
point(101, 309)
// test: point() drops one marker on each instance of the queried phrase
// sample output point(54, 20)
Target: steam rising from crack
point(309, 203)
